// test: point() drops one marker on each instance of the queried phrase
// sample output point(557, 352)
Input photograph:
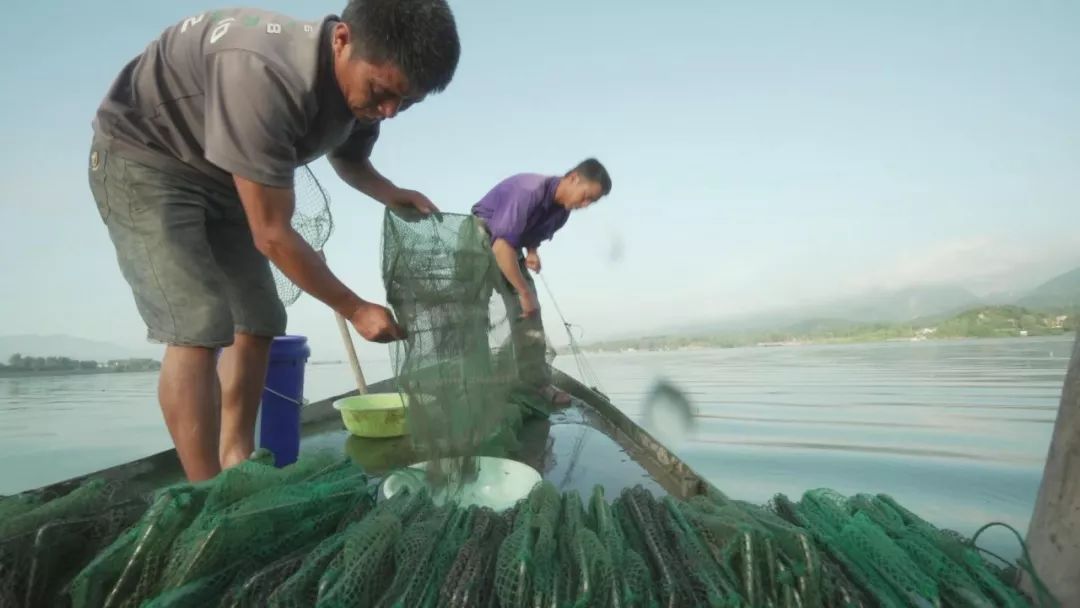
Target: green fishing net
point(43, 543)
point(314, 534)
point(311, 219)
point(458, 366)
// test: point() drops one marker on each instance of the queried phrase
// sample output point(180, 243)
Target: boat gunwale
point(662, 465)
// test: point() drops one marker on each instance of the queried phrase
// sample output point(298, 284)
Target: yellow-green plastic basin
point(373, 415)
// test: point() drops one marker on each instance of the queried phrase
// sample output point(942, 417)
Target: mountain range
point(1061, 293)
point(919, 305)
point(36, 345)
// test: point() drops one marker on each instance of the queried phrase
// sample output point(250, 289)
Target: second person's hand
point(532, 261)
point(530, 307)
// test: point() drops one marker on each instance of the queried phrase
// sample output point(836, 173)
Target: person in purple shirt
point(519, 214)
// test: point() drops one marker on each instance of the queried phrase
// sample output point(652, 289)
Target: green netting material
point(311, 219)
point(43, 544)
point(313, 535)
point(458, 367)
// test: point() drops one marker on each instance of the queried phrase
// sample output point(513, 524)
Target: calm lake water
point(957, 431)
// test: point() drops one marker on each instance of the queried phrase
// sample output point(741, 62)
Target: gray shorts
point(186, 251)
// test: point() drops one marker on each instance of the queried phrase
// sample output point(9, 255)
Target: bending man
point(519, 213)
point(192, 166)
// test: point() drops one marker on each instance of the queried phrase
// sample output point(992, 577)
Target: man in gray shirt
point(192, 165)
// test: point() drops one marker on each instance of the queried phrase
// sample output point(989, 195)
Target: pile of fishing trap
point(313, 534)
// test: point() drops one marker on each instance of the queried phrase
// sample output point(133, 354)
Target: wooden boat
point(592, 443)
point(588, 443)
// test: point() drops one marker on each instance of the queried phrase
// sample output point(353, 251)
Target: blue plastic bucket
point(278, 427)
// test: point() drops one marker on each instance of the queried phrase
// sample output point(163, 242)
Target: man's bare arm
point(361, 175)
point(269, 212)
point(506, 256)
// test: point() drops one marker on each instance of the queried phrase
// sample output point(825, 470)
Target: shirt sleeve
point(359, 144)
point(533, 244)
point(253, 119)
point(536, 240)
point(511, 215)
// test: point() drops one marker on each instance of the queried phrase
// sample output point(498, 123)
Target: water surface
point(958, 431)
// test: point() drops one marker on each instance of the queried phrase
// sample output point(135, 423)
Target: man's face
point(374, 92)
point(582, 192)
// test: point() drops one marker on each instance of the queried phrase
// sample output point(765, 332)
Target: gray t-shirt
point(240, 91)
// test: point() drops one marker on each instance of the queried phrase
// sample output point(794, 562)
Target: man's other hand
point(530, 307)
point(376, 323)
point(413, 199)
point(532, 261)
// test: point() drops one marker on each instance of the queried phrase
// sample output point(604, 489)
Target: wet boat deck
point(566, 449)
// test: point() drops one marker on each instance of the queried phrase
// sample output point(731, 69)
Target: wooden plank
point(1054, 533)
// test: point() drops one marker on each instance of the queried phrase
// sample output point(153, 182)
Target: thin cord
point(1045, 598)
point(552, 296)
point(584, 368)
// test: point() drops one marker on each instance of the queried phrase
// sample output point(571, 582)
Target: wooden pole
point(350, 349)
point(354, 361)
point(1054, 534)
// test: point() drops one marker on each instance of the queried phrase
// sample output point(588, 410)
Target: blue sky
point(763, 154)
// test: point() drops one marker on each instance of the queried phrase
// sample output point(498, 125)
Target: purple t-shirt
point(521, 210)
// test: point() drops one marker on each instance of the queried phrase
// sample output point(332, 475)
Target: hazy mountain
point(816, 326)
point(1002, 298)
point(901, 305)
point(880, 306)
point(34, 345)
point(1059, 293)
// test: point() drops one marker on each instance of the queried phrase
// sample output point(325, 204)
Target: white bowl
point(500, 483)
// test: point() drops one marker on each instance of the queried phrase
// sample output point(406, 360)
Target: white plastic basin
point(500, 483)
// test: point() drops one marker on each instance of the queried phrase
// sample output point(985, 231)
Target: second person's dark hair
point(592, 170)
point(418, 36)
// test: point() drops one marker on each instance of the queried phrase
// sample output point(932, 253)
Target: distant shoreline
point(25, 373)
point(803, 342)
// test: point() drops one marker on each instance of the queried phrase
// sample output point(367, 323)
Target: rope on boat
point(300, 403)
point(588, 375)
point(1043, 595)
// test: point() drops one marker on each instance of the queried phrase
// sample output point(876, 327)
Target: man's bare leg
point(242, 371)
point(187, 391)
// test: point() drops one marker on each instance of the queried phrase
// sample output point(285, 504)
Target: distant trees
point(994, 321)
point(982, 322)
point(133, 365)
point(20, 363)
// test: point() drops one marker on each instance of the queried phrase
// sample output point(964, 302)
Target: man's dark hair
point(591, 170)
point(418, 36)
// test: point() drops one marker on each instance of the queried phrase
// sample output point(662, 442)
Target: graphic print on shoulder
point(191, 22)
point(221, 29)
